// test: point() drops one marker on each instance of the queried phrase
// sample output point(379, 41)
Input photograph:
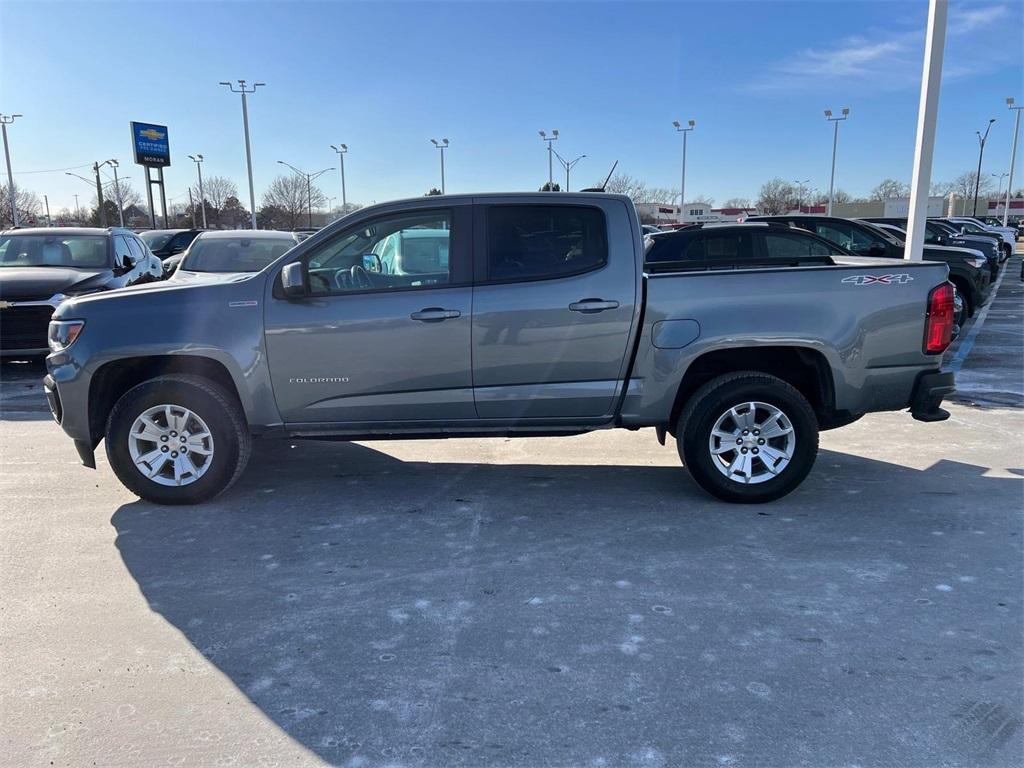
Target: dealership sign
point(150, 144)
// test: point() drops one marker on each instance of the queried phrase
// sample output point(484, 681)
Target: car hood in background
point(186, 276)
point(40, 283)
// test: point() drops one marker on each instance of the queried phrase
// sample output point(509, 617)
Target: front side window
point(535, 242)
point(155, 239)
point(75, 251)
point(408, 250)
point(235, 254)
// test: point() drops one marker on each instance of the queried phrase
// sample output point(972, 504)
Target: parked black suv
point(165, 243)
point(967, 271)
point(738, 245)
point(39, 268)
point(940, 233)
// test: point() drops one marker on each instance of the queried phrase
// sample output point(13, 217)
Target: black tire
point(223, 416)
point(965, 294)
point(716, 397)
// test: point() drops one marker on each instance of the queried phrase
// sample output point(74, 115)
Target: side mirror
point(877, 249)
point(295, 280)
point(372, 263)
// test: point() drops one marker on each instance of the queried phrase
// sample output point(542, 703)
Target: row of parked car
point(973, 250)
point(40, 268)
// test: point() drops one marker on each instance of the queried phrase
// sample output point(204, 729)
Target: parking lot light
point(1013, 155)
point(835, 143)
point(6, 120)
point(981, 153)
point(242, 89)
point(551, 168)
point(198, 160)
point(690, 125)
point(568, 165)
point(117, 191)
point(342, 149)
point(441, 145)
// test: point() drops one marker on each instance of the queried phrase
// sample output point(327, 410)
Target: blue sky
point(385, 78)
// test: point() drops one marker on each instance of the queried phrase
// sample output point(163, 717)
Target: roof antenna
point(606, 180)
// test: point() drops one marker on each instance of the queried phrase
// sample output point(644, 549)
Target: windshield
point(156, 240)
point(967, 226)
point(234, 254)
point(50, 250)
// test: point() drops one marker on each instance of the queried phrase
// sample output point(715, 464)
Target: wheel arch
point(804, 368)
point(114, 378)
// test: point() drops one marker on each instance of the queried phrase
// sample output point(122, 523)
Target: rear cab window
point(543, 242)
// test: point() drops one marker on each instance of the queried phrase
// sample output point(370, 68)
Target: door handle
point(590, 306)
point(435, 314)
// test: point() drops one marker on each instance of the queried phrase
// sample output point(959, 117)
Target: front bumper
point(83, 447)
point(929, 391)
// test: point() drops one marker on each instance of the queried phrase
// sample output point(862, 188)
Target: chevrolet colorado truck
point(502, 314)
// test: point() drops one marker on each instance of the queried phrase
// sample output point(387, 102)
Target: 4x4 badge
point(878, 279)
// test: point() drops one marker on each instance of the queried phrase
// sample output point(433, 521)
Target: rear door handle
point(589, 306)
point(435, 314)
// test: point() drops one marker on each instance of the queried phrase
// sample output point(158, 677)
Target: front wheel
point(748, 437)
point(177, 439)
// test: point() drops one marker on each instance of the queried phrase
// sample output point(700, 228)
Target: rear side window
point(536, 242)
point(718, 247)
point(787, 246)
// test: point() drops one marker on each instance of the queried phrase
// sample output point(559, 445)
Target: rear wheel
point(748, 437)
point(177, 440)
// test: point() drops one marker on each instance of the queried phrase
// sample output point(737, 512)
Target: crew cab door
point(365, 346)
point(553, 307)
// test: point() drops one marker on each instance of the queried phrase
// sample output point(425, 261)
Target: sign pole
point(149, 196)
point(163, 196)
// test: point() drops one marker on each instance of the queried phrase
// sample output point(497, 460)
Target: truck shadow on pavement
point(440, 614)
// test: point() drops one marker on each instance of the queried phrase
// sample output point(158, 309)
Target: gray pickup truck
point(504, 314)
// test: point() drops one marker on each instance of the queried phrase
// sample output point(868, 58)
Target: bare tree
point(636, 190)
point(26, 201)
point(889, 189)
point(737, 202)
point(287, 198)
point(777, 196)
point(217, 190)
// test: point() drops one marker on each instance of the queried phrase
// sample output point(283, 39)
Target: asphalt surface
point(544, 602)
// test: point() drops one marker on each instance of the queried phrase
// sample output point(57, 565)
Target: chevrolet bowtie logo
point(152, 134)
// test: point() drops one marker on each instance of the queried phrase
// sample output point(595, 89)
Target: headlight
point(62, 333)
point(977, 263)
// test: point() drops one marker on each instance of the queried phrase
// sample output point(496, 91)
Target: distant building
point(1016, 210)
point(658, 213)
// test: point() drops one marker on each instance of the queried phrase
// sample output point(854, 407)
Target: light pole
point(690, 124)
point(99, 190)
point(245, 125)
point(341, 149)
point(551, 167)
point(999, 188)
point(981, 153)
point(117, 191)
point(568, 165)
point(309, 188)
point(6, 120)
point(198, 160)
point(835, 144)
point(441, 145)
point(1013, 155)
point(800, 194)
point(78, 211)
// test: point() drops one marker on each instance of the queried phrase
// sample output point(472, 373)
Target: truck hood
point(949, 250)
point(40, 283)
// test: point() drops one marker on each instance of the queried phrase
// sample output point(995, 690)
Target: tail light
point(938, 324)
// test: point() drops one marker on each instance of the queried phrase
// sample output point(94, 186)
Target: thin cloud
point(962, 21)
point(888, 60)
